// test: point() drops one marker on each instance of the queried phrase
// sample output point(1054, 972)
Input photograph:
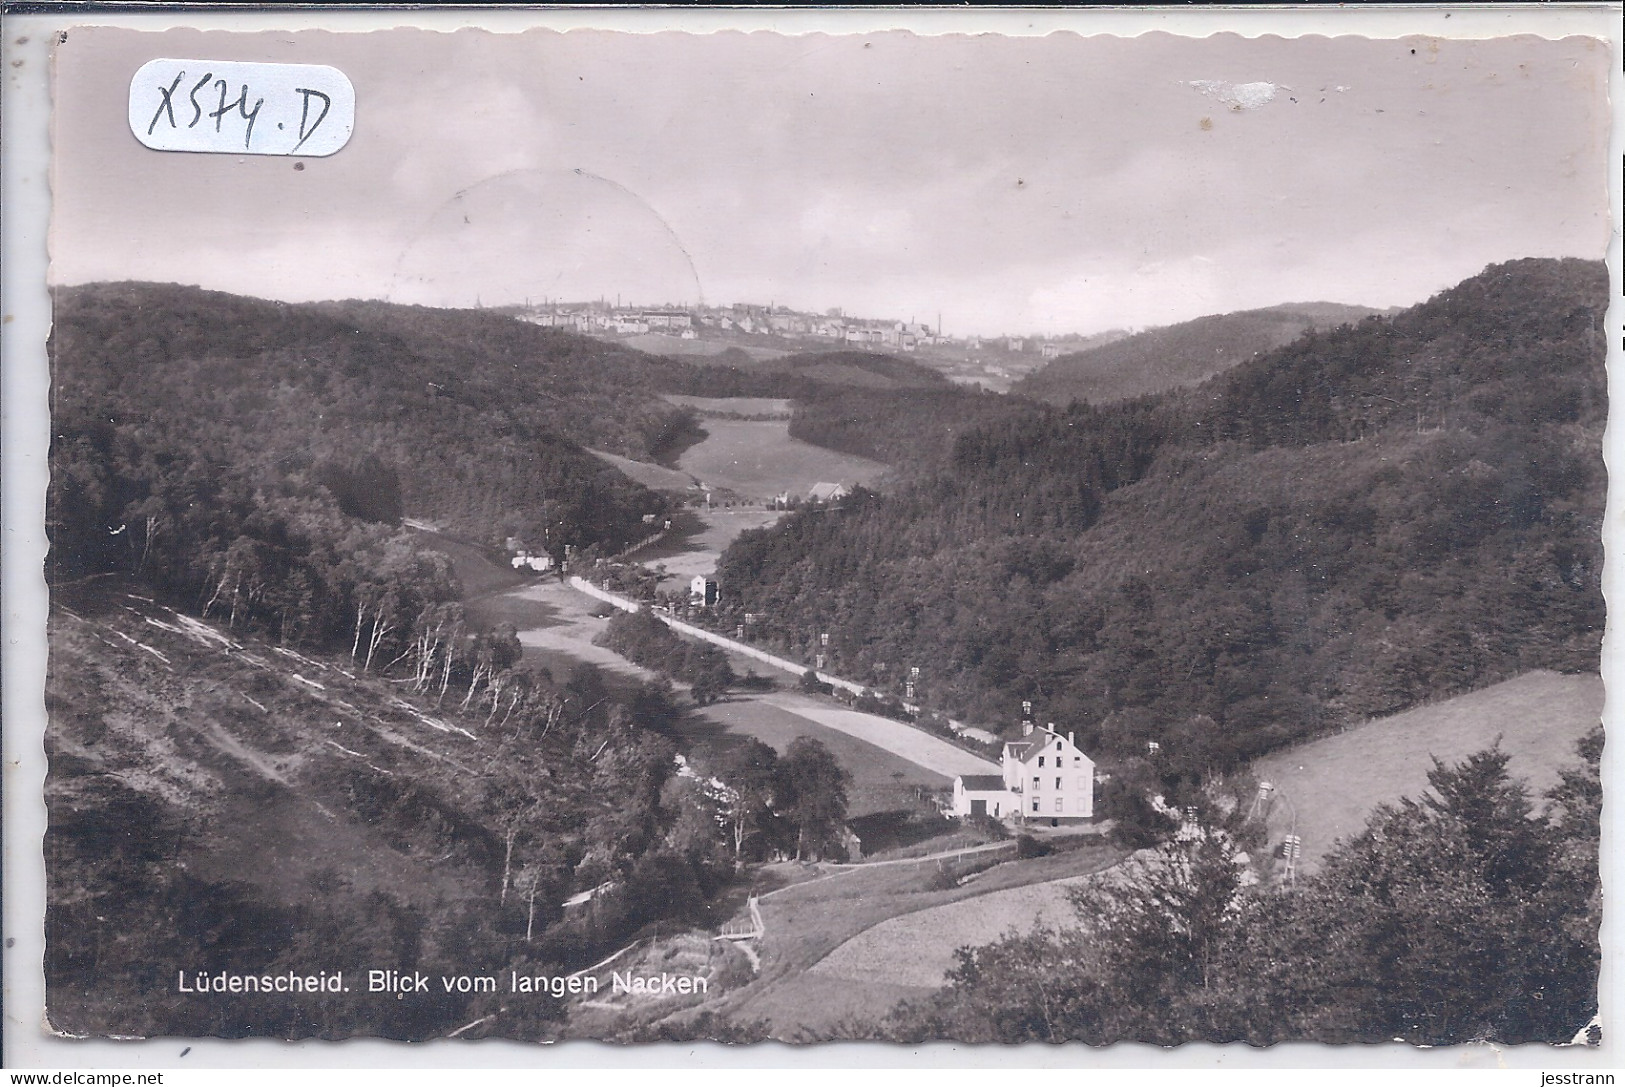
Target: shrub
point(1028, 847)
point(811, 684)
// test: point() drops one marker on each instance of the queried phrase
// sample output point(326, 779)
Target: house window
point(1083, 785)
point(1035, 783)
point(1058, 803)
point(1057, 783)
point(1077, 760)
point(1040, 760)
point(1035, 804)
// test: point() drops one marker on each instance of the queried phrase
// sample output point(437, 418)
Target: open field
point(809, 921)
point(693, 350)
point(893, 766)
point(698, 539)
point(475, 568)
point(913, 744)
point(733, 405)
point(652, 476)
point(1334, 783)
point(759, 459)
point(556, 627)
point(917, 949)
point(881, 781)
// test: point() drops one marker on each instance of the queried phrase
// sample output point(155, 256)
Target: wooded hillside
point(912, 430)
point(1367, 518)
point(1184, 354)
point(225, 804)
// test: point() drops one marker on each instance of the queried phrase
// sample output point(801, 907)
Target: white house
point(828, 492)
point(702, 590)
point(1044, 777)
point(539, 561)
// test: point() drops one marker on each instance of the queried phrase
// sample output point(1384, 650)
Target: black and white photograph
point(808, 537)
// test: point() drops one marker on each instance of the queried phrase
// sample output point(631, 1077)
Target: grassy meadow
point(811, 920)
point(1332, 784)
point(733, 405)
point(881, 781)
point(758, 459)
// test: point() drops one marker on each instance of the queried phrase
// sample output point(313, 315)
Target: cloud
point(844, 222)
point(1016, 184)
point(494, 129)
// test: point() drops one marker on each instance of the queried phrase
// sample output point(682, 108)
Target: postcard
point(823, 534)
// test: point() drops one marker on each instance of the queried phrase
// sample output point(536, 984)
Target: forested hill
point(1368, 518)
point(913, 430)
point(467, 418)
point(255, 458)
point(1182, 354)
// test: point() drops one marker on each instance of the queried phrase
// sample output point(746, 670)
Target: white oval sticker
point(241, 108)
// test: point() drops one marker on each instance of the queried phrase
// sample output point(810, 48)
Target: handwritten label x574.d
point(241, 108)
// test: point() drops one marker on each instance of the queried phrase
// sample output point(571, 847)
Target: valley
point(361, 729)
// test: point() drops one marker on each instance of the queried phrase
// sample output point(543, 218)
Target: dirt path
point(915, 745)
point(834, 870)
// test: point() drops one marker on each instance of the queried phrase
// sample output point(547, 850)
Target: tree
point(1045, 986)
point(814, 790)
point(1461, 916)
point(1159, 926)
point(654, 706)
point(708, 673)
point(693, 811)
point(751, 772)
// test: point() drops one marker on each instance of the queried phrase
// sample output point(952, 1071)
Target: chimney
point(1071, 738)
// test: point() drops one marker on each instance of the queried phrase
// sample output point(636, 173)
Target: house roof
point(982, 783)
point(827, 490)
point(1043, 739)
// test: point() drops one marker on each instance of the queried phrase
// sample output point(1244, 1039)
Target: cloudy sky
point(1034, 185)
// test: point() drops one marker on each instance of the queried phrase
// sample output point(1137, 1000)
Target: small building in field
point(1044, 777)
point(828, 492)
point(538, 561)
point(702, 590)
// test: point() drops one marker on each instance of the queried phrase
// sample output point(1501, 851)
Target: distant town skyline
point(835, 314)
point(1033, 186)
